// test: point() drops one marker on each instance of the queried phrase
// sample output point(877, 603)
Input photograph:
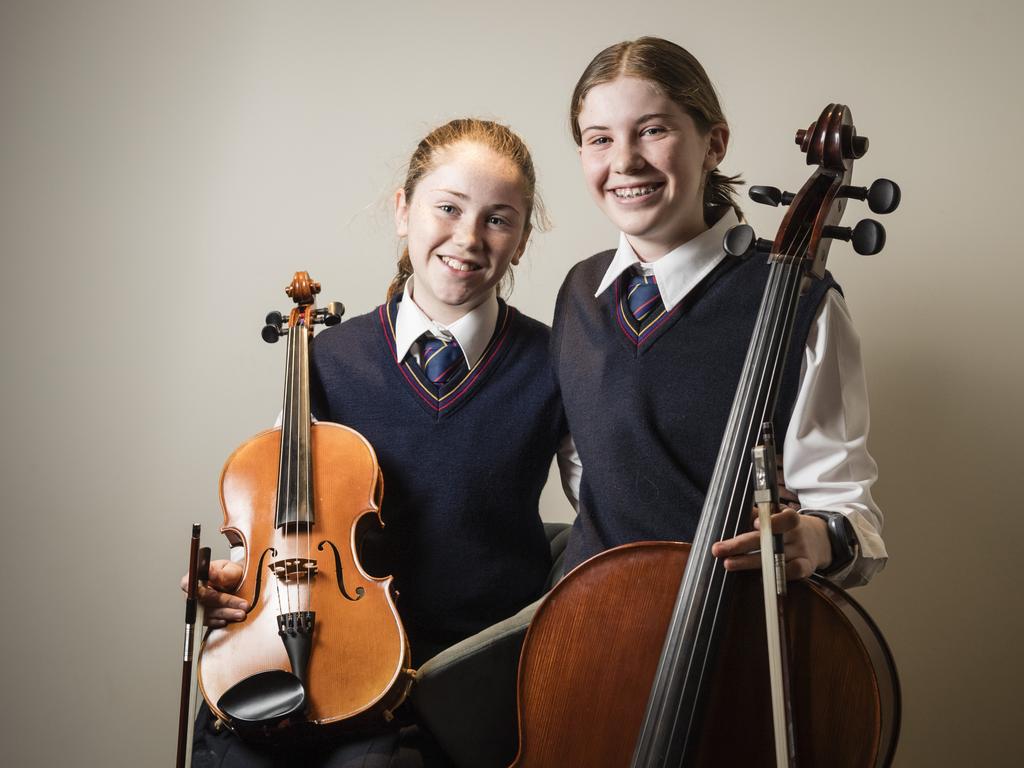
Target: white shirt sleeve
point(825, 456)
point(571, 470)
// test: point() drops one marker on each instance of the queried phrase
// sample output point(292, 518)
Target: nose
point(466, 235)
point(627, 158)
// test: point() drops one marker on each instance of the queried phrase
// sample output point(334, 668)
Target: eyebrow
point(641, 119)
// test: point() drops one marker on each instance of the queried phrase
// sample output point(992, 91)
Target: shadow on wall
point(944, 436)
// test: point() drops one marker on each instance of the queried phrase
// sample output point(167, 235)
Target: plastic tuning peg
point(883, 195)
point(770, 196)
point(335, 311)
point(740, 241)
point(868, 236)
point(272, 330)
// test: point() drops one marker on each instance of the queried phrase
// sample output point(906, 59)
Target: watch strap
point(841, 538)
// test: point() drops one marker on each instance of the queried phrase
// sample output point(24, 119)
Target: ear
point(401, 213)
point(522, 245)
point(718, 142)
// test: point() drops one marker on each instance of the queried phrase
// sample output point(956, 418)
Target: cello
point(651, 654)
point(322, 647)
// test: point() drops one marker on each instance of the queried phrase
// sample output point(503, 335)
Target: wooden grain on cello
point(650, 655)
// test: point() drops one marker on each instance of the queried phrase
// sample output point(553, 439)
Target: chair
point(466, 695)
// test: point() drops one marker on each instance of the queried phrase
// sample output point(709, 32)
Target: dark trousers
point(403, 747)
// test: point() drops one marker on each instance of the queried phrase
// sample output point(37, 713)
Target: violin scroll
point(302, 290)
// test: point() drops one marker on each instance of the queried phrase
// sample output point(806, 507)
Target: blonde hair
point(504, 142)
point(678, 75)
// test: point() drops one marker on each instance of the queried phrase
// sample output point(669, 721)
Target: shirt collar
point(473, 330)
point(679, 270)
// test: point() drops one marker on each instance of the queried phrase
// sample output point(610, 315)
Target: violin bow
point(198, 570)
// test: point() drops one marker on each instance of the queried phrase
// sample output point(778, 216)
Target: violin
point(321, 647)
point(651, 654)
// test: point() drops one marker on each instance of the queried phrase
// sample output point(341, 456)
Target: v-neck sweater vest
point(463, 468)
point(648, 414)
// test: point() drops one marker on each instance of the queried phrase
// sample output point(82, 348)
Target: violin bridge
point(293, 569)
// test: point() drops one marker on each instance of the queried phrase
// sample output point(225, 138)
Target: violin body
point(592, 650)
point(322, 646)
point(360, 652)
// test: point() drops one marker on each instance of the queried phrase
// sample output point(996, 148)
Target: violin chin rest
point(264, 698)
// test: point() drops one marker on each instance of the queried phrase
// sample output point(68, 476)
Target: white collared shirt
point(825, 456)
point(473, 330)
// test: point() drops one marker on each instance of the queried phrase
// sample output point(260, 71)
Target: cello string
point(705, 534)
point(784, 277)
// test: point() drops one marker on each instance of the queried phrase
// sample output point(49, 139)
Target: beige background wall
point(164, 167)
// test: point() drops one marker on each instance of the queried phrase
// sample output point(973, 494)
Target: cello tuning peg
point(741, 242)
point(868, 236)
point(770, 196)
point(272, 330)
point(883, 195)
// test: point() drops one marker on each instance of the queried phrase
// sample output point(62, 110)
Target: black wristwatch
point(840, 536)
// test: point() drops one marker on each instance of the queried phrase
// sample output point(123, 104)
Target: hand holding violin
point(219, 605)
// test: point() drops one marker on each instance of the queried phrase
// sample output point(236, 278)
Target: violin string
point(308, 472)
point(291, 512)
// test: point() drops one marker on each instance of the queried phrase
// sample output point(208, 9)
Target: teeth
point(462, 266)
point(626, 193)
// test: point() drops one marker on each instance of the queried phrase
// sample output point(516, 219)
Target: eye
point(447, 208)
point(652, 130)
point(599, 140)
point(498, 221)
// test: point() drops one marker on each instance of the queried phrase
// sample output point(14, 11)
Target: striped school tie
point(643, 297)
point(440, 359)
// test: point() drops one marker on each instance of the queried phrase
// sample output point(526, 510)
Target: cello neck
point(674, 704)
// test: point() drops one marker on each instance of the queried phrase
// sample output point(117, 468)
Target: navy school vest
point(463, 465)
point(648, 418)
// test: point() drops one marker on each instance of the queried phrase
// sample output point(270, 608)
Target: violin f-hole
point(339, 573)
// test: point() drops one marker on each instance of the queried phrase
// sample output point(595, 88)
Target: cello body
point(652, 655)
point(591, 653)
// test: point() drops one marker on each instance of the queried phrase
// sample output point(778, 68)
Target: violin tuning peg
point(868, 236)
point(770, 196)
point(741, 242)
point(272, 330)
point(331, 314)
point(335, 311)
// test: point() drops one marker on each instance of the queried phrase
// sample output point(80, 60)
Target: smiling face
point(465, 223)
point(645, 163)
